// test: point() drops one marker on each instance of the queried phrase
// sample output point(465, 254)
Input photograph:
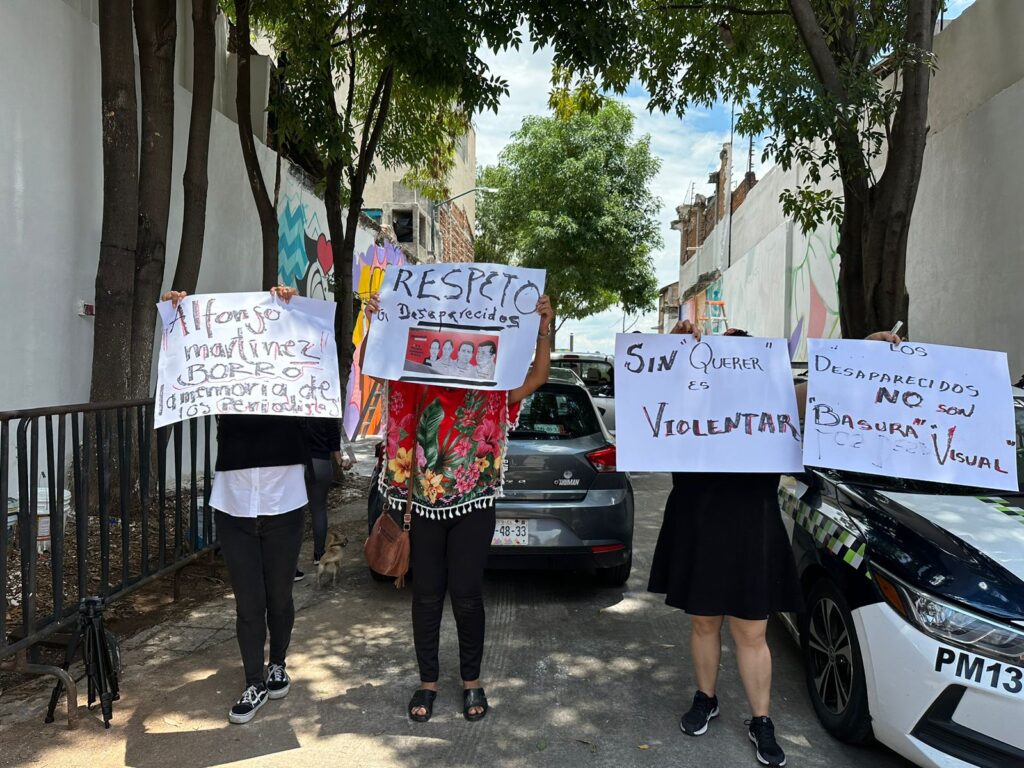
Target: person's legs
point(754, 661)
point(428, 550)
point(468, 543)
point(706, 649)
point(240, 546)
point(317, 486)
point(280, 541)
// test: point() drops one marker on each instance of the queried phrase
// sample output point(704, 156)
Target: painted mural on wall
point(814, 282)
point(306, 262)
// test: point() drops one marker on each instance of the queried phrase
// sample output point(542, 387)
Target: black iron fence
point(100, 504)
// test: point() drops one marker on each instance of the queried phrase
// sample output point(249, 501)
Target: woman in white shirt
point(259, 498)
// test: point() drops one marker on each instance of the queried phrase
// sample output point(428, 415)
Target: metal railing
point(134, 516)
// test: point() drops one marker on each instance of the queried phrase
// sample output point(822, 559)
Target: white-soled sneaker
point(253, 697)
point(278, 682)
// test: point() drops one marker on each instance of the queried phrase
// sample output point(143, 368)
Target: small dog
point(330, 562)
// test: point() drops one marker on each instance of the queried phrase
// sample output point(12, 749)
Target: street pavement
point(577, 676)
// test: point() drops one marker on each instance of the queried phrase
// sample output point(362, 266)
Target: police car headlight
point(951, 624)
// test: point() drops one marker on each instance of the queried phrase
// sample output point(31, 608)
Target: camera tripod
point(100, 655)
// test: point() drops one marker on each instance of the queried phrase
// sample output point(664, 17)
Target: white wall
point(965, 260)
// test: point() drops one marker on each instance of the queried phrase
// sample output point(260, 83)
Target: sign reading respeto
point(246, 353)
point(456, 325)
point(916, 411)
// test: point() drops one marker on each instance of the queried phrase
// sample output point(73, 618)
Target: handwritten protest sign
point(724, 404)
point(247, 353)
point(472, 326)
point(916, 411)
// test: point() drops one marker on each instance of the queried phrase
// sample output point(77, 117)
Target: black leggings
point(450, 555)
point(261, 554)
point(317, 485)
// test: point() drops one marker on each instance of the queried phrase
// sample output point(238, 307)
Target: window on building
point(401, 222)
point(374, 213)
point(423, 230)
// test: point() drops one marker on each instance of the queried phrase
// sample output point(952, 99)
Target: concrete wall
point(965, 263)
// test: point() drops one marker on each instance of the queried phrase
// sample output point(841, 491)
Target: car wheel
point(615, 576)
point(833, 666)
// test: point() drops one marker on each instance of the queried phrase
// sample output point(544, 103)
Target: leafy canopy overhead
point(573, 198)
point(419, 56)
point(833, 112)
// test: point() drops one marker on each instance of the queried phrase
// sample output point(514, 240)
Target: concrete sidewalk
point(577, 676)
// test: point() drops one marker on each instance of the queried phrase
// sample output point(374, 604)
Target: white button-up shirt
point(259, 491)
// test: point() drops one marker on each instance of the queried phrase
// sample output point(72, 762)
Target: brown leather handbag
point(387, 548)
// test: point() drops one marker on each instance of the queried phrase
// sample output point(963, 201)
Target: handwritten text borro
point(247, 353)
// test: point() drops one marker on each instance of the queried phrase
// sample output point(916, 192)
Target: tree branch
point(725, 8)
point(822, 60)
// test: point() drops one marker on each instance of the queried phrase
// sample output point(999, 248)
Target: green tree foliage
point(378, 84)
point(839, 86)
point(573, 198)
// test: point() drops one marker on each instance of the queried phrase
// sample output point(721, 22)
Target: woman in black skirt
point(724, 552)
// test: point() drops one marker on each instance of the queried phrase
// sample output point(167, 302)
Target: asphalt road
point(577, 676)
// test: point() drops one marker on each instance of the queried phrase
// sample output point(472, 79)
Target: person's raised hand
point(687, 326)
point(547, 315)
point(886, 336)
point(372, 305)
point(175, 297)
point(283, 292)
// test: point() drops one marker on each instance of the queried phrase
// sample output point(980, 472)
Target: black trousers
point(449, 556)
point(318, 483)
point(261, 554)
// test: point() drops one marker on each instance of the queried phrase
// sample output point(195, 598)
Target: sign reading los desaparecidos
point(915, 411)
point(247, 353)
point(472, 326)
point(723, 404)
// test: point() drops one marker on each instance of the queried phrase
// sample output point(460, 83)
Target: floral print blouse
point(459, 447)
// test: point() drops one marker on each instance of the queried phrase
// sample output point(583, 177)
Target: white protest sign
point(472, 326)
point(229, 353)
point(724, 404)
point(915, 411)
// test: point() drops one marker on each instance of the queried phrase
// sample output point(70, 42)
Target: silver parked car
point(565, 505)
point(597, 372)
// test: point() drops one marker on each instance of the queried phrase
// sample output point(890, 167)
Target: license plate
point(980, 670)
point(511, 533)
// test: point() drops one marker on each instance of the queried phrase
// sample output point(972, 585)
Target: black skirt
point(723, 550)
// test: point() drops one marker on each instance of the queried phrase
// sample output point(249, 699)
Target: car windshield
point(556, 412)
point(938, 489)
point(595, 374)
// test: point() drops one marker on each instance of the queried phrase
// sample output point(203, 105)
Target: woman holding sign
point(724, 552)
point(445, 446)
point(259, 496)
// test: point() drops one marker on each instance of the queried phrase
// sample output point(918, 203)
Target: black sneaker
point(695, 722)
point(253, 697)
point(278, 682)
point(299, 575)
point(762, 733)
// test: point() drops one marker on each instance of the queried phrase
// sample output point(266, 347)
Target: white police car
point(914, 624)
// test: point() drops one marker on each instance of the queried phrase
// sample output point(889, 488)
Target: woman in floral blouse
point(458, 443)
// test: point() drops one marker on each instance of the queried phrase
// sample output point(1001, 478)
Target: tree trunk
point(344, 322)
point(115, 274)
point(876, 223)
point(196, 181)
point(243, 102)
point(156, 29)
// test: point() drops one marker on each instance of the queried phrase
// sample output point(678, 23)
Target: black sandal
point(422, 698)
point(471, 698)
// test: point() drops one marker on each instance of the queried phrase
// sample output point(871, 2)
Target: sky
point(688, 148)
